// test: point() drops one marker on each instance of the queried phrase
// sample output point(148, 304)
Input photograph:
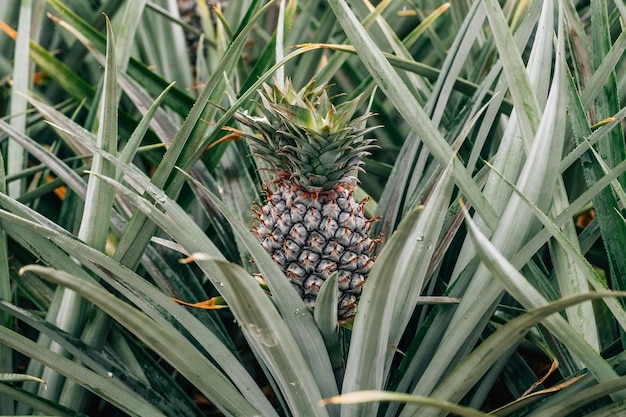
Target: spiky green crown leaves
point(304, 137)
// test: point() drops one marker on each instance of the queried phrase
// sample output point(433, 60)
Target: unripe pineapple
point(311, 225)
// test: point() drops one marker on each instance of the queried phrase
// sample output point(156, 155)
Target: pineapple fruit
point(311, 224)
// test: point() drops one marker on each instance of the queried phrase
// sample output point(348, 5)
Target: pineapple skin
point(311, 235)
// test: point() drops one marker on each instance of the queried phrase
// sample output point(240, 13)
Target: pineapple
point(311, 224)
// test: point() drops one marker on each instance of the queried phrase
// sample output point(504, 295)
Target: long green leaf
point(71, 178)
point(604, 70)
point(474, 366)
point(153, 302)
point(524, 99)
point(6, 356)
point(570, 276)
point(325, 315)
point(513, 229)
point(138, 233)
point(95, 221)
point(177, 100)
point(400, 269)
point(529, 297)
point(165, 340)
point(613, 150)
point(554, 229)
point(301, 324)
point(507, 158)
point(75, 85)
point(369, 342)
point(131, 147)
point(127, 30)
point(21, 82)
point(103, 385)
point(99, 199)
point(390, 83)
point(431, 73)
point(89, 357)
point(455, 61)
point(39, 404)
point(271, 339)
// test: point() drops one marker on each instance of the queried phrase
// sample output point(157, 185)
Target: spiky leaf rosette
point(305, 137)
point(311, 225)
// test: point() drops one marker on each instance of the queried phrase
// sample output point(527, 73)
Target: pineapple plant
point(311, 224)
point(482, 101)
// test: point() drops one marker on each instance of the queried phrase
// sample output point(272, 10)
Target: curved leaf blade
point(115, 393)
point(271, 339)
point(165, 340)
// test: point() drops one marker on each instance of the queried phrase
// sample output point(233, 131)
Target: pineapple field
point(321, 208)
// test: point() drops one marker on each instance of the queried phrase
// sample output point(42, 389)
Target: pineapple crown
point(305, 138)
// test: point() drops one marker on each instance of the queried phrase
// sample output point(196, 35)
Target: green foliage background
point(498, 178)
